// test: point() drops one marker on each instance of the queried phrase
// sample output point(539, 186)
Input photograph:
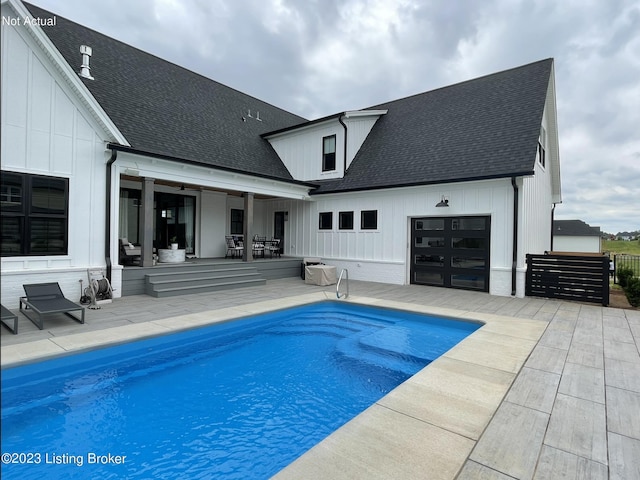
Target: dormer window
point(329, 153)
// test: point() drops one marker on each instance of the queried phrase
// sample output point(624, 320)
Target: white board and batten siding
point(51, 134)
point(382, 255)
point(301, 150)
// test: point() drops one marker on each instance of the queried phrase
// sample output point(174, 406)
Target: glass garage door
point(451, 252)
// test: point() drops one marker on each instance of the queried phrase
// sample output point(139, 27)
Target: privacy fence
point(623, 260)
point(582, 278)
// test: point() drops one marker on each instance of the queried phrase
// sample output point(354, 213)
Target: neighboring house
point(626, 236)
point(452, 187)
point(576, 236)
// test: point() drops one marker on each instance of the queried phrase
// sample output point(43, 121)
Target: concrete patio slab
point(535, 389)
point(380, 444)
point(583, 382)
point(555, 463)
point(578, 426)
point(624, 457)
point(454, 395)
point(623, 412)
point(512, 441)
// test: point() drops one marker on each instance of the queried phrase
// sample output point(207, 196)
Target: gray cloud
point(318, 57)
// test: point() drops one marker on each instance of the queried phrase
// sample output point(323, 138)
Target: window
point(345, 220)
point(34, 214)
point(542, 141)
point(237, 222)
point(369, 220)
point(326, 221)
point(329, 153)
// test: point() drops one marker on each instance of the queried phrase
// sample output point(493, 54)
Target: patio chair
point(129, 253)
point(273, 247)
point(47, 298)
point(7, 317)
point(259, 245)
point(233, 249)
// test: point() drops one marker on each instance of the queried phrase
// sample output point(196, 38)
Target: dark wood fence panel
point(568, 277)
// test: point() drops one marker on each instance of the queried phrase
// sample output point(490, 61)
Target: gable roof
point(165, 110)
point(574, 228)
point(479, 129)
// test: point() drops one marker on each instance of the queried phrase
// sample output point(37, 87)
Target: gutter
point(345, 141)
point(514, 261)
point(107, 220)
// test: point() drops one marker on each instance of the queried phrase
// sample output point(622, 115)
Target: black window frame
point(35, 210)
point(236, 226)
point(345, 220)
point(322, 221)
point(329, 158)
point(365, 222)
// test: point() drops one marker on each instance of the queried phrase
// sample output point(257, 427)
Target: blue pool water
point(241, 399)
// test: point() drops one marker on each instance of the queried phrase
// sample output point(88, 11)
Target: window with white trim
point(542, 145)
point(329, 153)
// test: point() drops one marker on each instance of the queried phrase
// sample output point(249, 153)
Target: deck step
point(186, 282)
point(188, 290)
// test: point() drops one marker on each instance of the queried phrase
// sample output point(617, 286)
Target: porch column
point(247, 254)
point(145, 234)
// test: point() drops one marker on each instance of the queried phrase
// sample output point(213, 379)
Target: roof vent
point(85, 69)
point(258, 117)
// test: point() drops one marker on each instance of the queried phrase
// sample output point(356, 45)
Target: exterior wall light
point(444, 202)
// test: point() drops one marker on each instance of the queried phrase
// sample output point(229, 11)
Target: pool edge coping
point(340, 452)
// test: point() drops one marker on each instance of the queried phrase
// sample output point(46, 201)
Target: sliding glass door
point(174, 219)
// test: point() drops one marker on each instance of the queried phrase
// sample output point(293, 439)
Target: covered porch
point(157, 202)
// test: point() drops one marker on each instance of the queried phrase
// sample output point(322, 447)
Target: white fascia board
point(302, 128)
point(365, 113)
point(207, 177)
point(333, 119)
point(554, 149)
point(72, 78)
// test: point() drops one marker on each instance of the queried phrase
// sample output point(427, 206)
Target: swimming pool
point(235, 400)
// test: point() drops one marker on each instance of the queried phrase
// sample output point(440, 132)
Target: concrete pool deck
point(546, 389)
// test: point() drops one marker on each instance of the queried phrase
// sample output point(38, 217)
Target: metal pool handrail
point(345, 295)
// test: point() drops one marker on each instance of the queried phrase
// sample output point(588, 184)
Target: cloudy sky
point(319, 57)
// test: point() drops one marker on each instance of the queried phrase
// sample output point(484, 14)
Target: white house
point(102, 141)
point(576, 236)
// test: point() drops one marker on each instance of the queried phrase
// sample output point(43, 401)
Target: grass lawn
point(620, 246)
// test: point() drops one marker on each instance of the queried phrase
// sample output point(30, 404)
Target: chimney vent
point(85, 69)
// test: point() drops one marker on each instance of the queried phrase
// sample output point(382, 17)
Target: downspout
point(553, 216)
point(345, 142)
point(514, 262)
point(107, 230)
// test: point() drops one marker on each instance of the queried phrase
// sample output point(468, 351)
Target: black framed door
point(451, 252)
point(278, 227)
point(175, 221)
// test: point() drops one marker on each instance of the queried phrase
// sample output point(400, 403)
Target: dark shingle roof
point(574, 228)
point(168, 110)
point(482, 128)
point(479, 129)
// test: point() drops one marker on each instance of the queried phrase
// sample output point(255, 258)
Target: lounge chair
point(47, 298)
point(7, 317)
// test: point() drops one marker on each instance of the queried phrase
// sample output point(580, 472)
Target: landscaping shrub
point(632, 290)
point(624, 274)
